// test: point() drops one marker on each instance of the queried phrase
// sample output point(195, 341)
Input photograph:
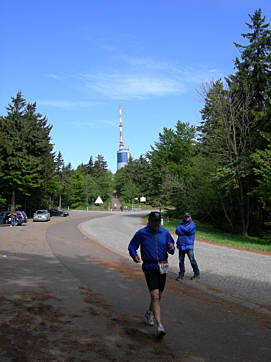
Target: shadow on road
point(48, 314)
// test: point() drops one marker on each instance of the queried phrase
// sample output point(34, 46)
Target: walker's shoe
point(195, 277)
point(179, 278)
point(160, 331)
point(149, 318)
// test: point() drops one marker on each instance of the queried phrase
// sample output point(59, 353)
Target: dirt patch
point(24, 323)
point(97, 305)
point(125, 268)
point(35, 327)
point(134, 342)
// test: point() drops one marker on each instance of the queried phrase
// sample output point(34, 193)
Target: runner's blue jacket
point(146, 240)
point(186, 235)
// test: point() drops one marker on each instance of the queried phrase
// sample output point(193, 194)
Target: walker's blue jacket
point(146, 239)
point(186, 235)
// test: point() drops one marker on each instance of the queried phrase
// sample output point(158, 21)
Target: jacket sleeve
point(134, 245)
point(188, 229)
point(178, 230)
point(171, 241)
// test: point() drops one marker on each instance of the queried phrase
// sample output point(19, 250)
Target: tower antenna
point(121, 139)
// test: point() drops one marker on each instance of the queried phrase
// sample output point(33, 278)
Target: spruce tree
point(27, 151)
point(253, 71)
point(100, 166)
point(89, 166)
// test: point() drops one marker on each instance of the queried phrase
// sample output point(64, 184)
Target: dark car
point(21, 218)
point(4, 217)
point(58, 212)
point(24, 216)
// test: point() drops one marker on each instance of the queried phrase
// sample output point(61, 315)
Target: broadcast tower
point(123, 153)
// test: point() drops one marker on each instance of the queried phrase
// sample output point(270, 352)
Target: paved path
point(241, 276)
point(64, 297)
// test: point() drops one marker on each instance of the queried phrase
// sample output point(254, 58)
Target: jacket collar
point(150, 231)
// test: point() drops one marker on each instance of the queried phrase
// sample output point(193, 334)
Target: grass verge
point(210, 233)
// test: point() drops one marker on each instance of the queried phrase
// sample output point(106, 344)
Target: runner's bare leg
point(155, 305)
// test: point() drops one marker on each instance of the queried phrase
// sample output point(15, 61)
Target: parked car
point(19, 219)
point(24, 216)
point(58, 212)
point(4, 217)
point(41, 215)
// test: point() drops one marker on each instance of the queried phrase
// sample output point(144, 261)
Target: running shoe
point(161, 332)
point(195, 277)
point(149, 317)
point(179, 277)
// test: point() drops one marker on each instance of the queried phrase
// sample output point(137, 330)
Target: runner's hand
point(170, 246)
point(137, 259)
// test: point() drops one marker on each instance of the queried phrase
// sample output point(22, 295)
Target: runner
point(155, 243)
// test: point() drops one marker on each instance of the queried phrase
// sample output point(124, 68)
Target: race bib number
point(163, 267)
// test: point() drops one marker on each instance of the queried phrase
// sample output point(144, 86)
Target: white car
point(41, 215)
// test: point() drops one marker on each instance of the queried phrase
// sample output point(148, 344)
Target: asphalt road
point(239, 276)
point(65, 297)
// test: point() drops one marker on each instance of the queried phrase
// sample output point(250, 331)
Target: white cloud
point(109, 48)
point(109, 122)
point(131, 86)
point(146, 62)
point(58, 103)
point(134, 77)
point(54, 76)
point(83, 124)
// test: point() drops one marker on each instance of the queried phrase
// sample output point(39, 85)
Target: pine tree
point(27, 152)
point(89, 166)
point(253, 69)
point(100, 166)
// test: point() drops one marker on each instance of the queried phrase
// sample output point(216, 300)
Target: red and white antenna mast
point(121, 139)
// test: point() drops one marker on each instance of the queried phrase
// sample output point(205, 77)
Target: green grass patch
point(210, 233)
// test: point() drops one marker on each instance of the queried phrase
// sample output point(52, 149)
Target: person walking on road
point(185, 243)
point(155, 243)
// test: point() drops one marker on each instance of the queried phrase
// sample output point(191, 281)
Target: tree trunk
point(225, 210)
point(242, 211)
point(59, 201)
point(248, 208)
point(13, 201)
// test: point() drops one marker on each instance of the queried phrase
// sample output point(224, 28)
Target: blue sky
point(80, 59)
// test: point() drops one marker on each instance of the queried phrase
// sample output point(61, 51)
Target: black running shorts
point(155, 280)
